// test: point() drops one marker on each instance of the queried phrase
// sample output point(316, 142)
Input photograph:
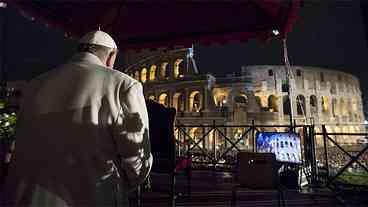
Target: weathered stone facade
point(257, 93)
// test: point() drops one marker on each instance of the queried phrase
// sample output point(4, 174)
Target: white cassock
point(73, 132)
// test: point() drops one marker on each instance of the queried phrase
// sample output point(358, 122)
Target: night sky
point(326, 34)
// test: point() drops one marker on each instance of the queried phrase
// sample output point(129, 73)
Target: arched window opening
point(164, 99)
point(178, 71)
point(144, 75)
point(241, 100)
point(163, 71)
point(179, 102)
point(300, 105)
point(343, 107)
point(152, 75)
point(356, 118)
point(273, 105)
point(286, 105)
point(313, 104)
point(262, 101)
point(351, 117)
point(221, 101)
point(354, 105)
point(195, 134)
point(324, 104)
point(334, 107)
point(195, 101)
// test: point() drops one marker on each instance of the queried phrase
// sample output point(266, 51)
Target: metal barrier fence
point(216, 146)
point(338, 158)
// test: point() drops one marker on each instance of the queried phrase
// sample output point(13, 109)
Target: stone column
point(204, 99)
point(186, 100)
point(308, 112)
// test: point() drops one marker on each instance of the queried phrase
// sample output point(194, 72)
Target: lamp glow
point(3, 5)
point(275, 32)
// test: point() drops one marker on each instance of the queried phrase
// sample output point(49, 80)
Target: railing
point(335, 164)
point(203, 114)
point(216, 146)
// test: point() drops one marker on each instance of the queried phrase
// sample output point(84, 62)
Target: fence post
point(293, 126)
point(187, 142)
point(313, 154)
point(325, 149)
point(214, 142)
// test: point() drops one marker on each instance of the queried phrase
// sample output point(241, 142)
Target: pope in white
point(82, 133)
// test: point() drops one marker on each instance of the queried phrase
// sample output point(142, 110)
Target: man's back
point(64, 137)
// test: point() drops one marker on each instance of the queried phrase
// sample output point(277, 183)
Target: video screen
point(286, 146)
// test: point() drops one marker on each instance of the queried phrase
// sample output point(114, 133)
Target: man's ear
point(110, 60)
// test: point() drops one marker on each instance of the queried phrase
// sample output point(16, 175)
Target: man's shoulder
point(126, 80)
point(45, 75)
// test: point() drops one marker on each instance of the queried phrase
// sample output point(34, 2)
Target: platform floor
point(214, 189)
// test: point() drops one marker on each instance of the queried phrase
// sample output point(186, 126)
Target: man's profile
point(82, 134)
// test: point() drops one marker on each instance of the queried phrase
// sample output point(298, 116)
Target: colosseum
point(256, 94)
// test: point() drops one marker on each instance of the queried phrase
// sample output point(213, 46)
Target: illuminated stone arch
point(241, 100)
point(178, 71)
point(354, 105)
point(356, 117)
point(137, 75)
point(352, 129)
point(179, 101)
point(196, 134)
point(313, 103)
point(343, 107)
point(300, 105)
point(144, 75)
point(220, 96)
point(152, 75)
point(164, 99)
point(195, 101)
point(163, 71)
point(286, 105)
point(262, 101)
point(335, 107)
point(273, 103)
point(351, 116)
point(324, 104)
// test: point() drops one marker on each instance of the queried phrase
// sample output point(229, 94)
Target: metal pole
point(325, 148)
point(313, 154)
point(3, 48)
point(288, 72)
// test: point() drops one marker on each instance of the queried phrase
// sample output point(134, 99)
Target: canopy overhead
point(164, 23)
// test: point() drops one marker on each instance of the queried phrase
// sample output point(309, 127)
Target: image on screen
point(286, 146)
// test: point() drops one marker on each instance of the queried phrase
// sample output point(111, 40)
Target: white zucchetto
point(98, 38)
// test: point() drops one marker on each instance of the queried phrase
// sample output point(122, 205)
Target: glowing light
point(275, 32)
point(3, 5)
